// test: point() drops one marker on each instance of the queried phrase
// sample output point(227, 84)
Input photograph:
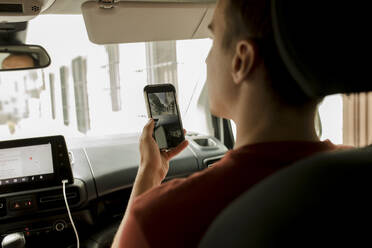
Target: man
point(247, 83)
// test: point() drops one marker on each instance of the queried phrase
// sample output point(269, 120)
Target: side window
point(331, 118)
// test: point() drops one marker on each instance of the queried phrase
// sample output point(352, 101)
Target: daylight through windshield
point(95, 89)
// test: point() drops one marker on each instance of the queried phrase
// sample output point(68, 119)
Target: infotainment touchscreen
point(26, 164)
point(34, 163)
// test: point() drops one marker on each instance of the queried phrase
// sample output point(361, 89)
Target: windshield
point(91, 90)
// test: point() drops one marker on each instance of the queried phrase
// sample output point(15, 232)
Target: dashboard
point(101, 175)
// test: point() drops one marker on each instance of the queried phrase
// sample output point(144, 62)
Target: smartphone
point(161, 104)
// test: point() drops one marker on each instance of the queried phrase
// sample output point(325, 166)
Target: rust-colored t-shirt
point(178, 213)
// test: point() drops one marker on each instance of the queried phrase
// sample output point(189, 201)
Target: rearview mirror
point(23, 57)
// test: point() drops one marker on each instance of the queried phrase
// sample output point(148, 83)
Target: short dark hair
point(251, 19)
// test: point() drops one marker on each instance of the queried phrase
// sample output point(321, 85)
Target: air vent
point(7, 29)
point(54, 199)
point(208, 162)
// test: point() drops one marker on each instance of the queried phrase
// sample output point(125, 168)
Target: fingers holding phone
point(155, 162)
point(161, 104)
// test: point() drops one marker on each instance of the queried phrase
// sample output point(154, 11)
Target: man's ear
point(243, 61)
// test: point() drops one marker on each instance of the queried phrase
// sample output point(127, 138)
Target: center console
point(31, 175)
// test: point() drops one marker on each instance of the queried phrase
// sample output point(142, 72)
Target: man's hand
point(154, 163)
point(153, 168)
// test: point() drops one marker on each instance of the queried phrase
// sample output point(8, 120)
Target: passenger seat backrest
point(323, 201)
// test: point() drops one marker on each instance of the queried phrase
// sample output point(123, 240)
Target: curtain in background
point(357, 119)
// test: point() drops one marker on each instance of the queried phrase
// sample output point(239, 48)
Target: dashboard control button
point(60, 225)
point(21, 204)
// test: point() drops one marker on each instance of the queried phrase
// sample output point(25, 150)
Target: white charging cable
point(69, 213)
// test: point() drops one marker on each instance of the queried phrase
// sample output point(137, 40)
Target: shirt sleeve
point(132, 235)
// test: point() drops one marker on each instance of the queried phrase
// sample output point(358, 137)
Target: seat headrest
point(324, 44)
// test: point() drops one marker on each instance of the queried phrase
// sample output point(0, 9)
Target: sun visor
point(124, 22)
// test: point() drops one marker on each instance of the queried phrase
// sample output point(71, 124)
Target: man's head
point(18, 61)
point(244, 55)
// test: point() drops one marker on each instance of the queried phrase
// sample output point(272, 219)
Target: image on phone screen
point(168, 130)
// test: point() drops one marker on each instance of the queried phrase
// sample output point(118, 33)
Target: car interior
point(71, 96)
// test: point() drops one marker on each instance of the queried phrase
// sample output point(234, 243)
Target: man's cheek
point(215, 97)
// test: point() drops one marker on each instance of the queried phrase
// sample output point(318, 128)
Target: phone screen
point(168, 130)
